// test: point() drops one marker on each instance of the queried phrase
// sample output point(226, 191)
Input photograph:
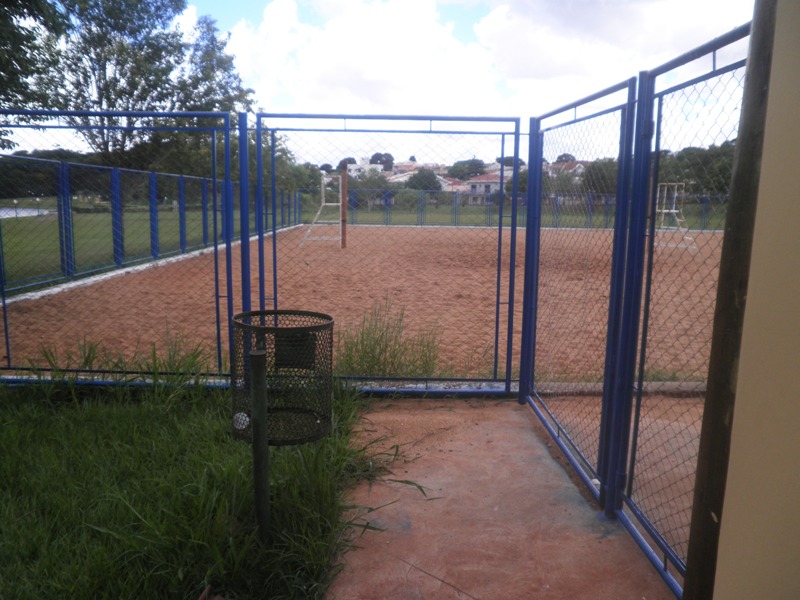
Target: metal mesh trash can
point(297, 347)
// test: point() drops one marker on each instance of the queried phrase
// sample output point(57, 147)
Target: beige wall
point(759, 553)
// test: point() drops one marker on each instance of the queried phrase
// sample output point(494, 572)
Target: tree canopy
point(424, 179)
point(508, 161)
point(382, 158)
point(128, 56)
point(464, 169)
point(600, 176)
point(703, 170)
point(346, 161)
point(25, 53)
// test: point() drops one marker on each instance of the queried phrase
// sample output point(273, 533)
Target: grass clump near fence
point(380, 346)
point(141, 492)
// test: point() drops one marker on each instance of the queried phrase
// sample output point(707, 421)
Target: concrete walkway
point(499, 517)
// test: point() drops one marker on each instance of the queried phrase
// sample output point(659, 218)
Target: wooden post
point(715, 435)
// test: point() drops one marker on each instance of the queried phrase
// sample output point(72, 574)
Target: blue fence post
point(705, 210)
point(387, 210)
point(273, 191)
point(6, 332)
point(204, 204)
point(259, 217)
point(227, 217)
point(117, 223)
point(607, 209)
point(611, 388)
point(182, 212)
point(626, 343)
point(530, 298)
point(512, 257)
point(244, 211)
point(65, 228)
point(153, 216)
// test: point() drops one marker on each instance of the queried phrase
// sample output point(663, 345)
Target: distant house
point(362, 168)
point(575, 168)
point(481, 188)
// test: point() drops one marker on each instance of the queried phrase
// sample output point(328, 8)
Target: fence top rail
point(699, 79)
point(709, 47)
point(600, 113)
point(24, 159)
point(622, 85)
point(512, 123)
point(385, 130)
point(71, 164)
point(114, 113)
point(384, 117)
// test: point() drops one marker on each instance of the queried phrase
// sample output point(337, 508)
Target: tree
point(561, 183)
point(327, 167)
point(208, 82)
point(508, 161)
point(118, 55)
point(424, 179)
point(703, 170)
point(346, 161)
point(382, 158)
point(600, 176)
point(22, 52)
point(25, 53)
point(564, 158)
point(522, 183)
point(412, 158)
point(208, 79)
point(465, 169)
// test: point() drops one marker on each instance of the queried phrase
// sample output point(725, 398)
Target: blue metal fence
point(623, 217)
point(631, 429)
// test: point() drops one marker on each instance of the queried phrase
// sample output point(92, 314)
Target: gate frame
point(628, 303)
point(431, 129)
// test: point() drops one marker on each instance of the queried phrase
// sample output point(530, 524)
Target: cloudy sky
point(456, 57)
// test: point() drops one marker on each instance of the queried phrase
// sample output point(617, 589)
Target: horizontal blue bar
point(601, 113)
point(111, 113)
point(724, 40)
point(673, 584)
point(384, 117)
point(702, 78)
point(622, 85)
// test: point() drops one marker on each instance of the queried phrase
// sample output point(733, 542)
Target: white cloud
point(403, 57)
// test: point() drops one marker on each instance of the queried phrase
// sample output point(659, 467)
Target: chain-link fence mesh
point(697, 128)
point(418, 277)
point(104, 256)
point(578, 210)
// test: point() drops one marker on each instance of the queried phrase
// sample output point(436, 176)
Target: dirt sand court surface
point(443, 279)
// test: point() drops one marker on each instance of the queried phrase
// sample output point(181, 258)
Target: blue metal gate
point(630, 422)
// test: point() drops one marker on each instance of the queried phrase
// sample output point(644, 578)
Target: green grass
point(31, 245)
point(141, 492)
point(379, 346)
point(430, 216)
